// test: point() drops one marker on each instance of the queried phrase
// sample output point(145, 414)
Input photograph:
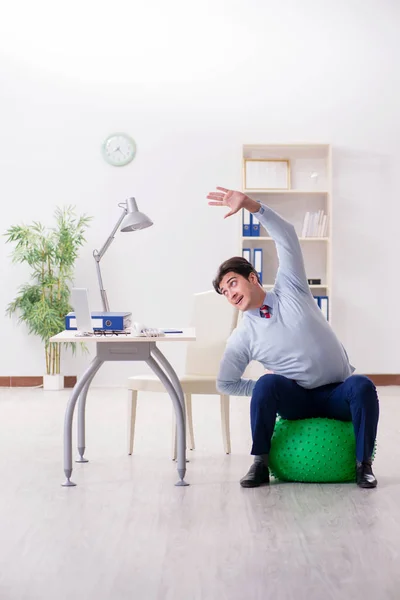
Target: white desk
point(124, 348)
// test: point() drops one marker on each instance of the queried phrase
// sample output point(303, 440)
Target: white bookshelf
point(305, 193)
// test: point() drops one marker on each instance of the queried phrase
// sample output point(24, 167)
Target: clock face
point(119, 149)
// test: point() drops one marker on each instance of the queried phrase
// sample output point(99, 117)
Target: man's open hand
point(233, 200)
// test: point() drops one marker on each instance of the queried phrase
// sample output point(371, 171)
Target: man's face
point(238, 290)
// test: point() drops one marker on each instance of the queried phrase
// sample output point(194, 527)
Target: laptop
point(80, 304)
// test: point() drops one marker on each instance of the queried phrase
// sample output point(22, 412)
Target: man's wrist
point(251, 205)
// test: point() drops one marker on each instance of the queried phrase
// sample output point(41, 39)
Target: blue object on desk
point(108, 321)
point(172, 331)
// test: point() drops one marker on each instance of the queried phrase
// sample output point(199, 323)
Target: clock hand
point(118, 149)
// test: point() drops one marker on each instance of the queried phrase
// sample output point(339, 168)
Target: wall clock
point(118, 149)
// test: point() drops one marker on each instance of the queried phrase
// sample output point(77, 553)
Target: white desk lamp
point(130, 220)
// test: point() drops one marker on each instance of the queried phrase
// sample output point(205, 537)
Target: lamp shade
point(134, 219)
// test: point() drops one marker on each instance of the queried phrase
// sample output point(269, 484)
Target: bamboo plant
point(51, 254)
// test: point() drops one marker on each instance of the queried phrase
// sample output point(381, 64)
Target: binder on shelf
point(258, 256)
point(255, 227)
point(324, 306)
point(247, 220)
point(246, 253)
point(323, 303)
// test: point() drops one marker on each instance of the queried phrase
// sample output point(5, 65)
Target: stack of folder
point(251, 225)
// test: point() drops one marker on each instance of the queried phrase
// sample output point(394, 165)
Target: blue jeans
point(355, 399)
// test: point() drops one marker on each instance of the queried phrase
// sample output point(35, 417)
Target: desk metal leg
point(69, 415)
point(158, 355)
point(81, 417)
point(179, 413)
point(156, 352)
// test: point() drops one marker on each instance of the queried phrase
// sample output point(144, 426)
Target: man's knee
point(363, 390)
point(268, 386)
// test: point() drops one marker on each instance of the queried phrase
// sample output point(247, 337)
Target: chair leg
point(189, 421)
point(226, 435)
point(132, 402)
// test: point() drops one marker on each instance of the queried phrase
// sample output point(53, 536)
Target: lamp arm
point(110, 238)
point(98, 255)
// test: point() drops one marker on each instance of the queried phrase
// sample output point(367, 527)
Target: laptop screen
point(80, 304)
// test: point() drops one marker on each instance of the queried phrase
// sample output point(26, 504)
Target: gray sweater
point(297, 341)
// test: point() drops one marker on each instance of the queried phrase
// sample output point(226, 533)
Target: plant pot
point(53, 382)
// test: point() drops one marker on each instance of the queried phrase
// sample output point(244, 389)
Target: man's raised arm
point(291, 263)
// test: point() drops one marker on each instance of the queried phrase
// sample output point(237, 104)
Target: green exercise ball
point(313, 450)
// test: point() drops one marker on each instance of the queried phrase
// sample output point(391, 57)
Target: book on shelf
point(315, 224)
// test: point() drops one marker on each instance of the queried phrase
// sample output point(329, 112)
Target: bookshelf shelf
point(269, 239)
point(320, 286)
point(287, 192)
point(293, 152)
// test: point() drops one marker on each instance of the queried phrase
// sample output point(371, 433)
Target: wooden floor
point(126, 532)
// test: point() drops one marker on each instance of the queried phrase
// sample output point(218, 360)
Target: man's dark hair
point(236, 264)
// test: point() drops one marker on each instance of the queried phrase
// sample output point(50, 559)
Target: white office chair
point(214, 320)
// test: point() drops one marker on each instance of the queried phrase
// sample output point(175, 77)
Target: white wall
point(192, 83)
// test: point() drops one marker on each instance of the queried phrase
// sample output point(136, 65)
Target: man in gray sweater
point(287, 333)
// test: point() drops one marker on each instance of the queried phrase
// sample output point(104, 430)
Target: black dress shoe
point(365, 476)
point(256, 476)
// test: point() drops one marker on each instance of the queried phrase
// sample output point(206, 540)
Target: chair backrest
point(214, 319)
